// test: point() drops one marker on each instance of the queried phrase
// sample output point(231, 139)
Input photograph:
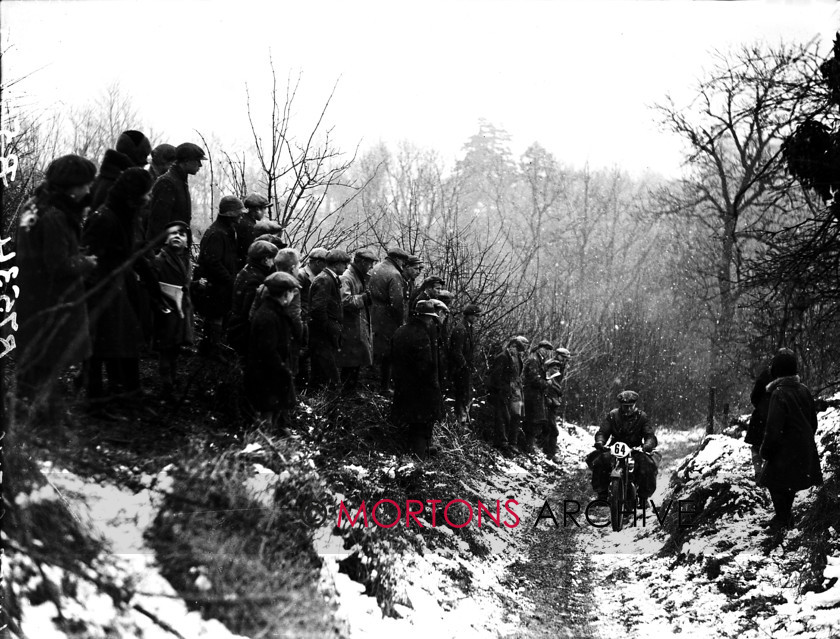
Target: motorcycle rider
point(630, 425)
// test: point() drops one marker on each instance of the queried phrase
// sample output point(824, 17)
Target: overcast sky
point(578, 77)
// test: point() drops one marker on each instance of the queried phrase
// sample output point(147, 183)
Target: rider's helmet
point(627, 400)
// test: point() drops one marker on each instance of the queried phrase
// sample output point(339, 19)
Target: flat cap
point(439, 306)
point(272, 239)
point(257, 201)
point(163, 153)
point(543, 344)
point(445, 296)
point(563, 352)
point(337, 255)
point(318, 253)
point(415, 260)
point(425, 307)
point(189, 151)
point(260, 249)
point(471, 309)
point(280, 282)
point(396, 251)
point(366, 254)
point(177, 224)
point(627, 397)
point(230, 206)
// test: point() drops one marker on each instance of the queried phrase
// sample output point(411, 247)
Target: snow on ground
point(728, 582)
point(119, 517)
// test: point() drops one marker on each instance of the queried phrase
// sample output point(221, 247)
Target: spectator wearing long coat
point(461, 353)
point(52, 317)
point(260, 265)
point(760, 399)
point(792, 460)
point(534, 385)
point(315, 263)
point(505, 387)
point(356, 339)
point(418, 402)
point(217, 264)
point(269, 383)
point(387, 288)
point(132, 150)
point(287, 260)
point(326, 321)
point(113, 305)
point(252, 223)
point(173, 326)
point(171, 193)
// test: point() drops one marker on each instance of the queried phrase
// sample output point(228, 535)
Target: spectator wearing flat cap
point(173, 328)
point(52, 319)
point(113, 305)
point(505, 387)
point(217, 265)
point(260, 265)
point(287, 260)
point(326, 321)
point(132, 150)
point(253, 223)
point(418, 402)
point(269, 382)
point(163, 157)
point(555, 371)
point(171, 193)
point(316, 261)
point(461, 353)
point(413, 268)
point(427, 290)
point(792, 462)
point(387, 288)
point(534, 384)
point(356, 338)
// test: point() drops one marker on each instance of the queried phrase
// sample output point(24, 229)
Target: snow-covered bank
point(59, 602)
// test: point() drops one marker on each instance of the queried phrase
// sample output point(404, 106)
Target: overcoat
point(245, 288)
point(170, 202)
point(356, 339)
point(325, 311)
point(387, 313)
point(789, 447)
point(268, 377)
point(217, 263)
point(534, 384)
point(171, 329)
point(114, 290)
point(414, 357)
point(51, 269)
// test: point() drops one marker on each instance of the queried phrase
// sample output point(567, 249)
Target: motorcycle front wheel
point(617, 503)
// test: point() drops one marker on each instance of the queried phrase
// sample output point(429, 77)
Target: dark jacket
point(113, 163)
point(114, 300)
point(387, 312)
point(246, 233)
point(789, 448)
point(170, 202)
point(505, 374)
point(356, 339)
point(461, 348)
point(171, 329)
point(51, 271)
point(268, 377)
point(534, 384)
point(760, 398)
point(305, 277)
point(325, 313)
point(217, 263)
point(414, 357)
point(635, 430)
point(244, 290)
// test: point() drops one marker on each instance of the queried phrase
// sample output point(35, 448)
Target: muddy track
point(556, 579)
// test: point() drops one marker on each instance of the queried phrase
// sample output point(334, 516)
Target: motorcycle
point(623, 490)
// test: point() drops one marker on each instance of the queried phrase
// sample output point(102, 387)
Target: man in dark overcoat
point(504, 386)
point(260, 265)
point(52, 317)
point(113, 305)
point(356, 339)
point(534, 385)
point(760, 399)
point(461, 354)
point(217, 264)
point(253, 223)
point(269, 383)
point(171, 194)
point(287, 260)
point(315, 263)
point(132, 150)
point(387, 288)
point(163, 157)
point(418, 402)
point(792, 461)
point(326, 320)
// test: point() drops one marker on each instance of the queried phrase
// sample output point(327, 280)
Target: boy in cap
point(461, 353)
point(252, 223)
point(171, 194)
point(260, 265)
point(269, 383)
point(326, 320)
point(163, 157)
point(217, 264)
point(387, 288)
point(356, 340)
point(173, 327)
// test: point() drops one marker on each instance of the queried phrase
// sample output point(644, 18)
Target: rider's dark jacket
point(635, 430)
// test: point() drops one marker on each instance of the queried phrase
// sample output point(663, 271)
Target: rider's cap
point(628, 397)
